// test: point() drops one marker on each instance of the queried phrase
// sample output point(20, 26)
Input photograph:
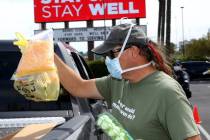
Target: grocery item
point(36, 77)
point(112, 127)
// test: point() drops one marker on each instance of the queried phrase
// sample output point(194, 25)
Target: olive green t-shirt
point(155, 108)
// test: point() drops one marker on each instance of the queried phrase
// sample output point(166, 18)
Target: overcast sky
point(18, 16)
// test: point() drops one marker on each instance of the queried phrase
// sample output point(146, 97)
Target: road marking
point(204, 132)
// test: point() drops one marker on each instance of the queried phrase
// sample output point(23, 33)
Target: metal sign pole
point(137, 21)
point(90, 43)
point(43, 26)
point(113, 22)
point(66, 26)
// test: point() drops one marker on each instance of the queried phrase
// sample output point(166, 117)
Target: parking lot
point(201, 97)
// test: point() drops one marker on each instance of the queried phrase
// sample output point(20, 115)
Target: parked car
point(79, 113)
point(195, 69)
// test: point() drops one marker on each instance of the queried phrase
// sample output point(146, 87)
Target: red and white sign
point(77, 10)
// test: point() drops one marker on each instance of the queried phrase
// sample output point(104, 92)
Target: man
point(183, 78)
point(147, 102)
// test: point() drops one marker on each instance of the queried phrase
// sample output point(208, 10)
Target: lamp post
point(183, 49)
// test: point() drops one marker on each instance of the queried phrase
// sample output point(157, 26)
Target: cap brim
point(103, 48)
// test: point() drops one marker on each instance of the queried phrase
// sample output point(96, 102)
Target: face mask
point(114, 68)
point(113, 65)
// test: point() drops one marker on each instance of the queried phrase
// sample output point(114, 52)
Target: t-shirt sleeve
point(103, 86)
point(180, 122)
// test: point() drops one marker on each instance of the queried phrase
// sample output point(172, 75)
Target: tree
point(164, 16)
point(198, 49)
point(168, 23)
point(159, 20)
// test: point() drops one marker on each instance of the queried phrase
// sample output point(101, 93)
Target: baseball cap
point(117, 37)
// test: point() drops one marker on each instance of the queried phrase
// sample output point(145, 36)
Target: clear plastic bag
point(112, 127)
point(36, 77)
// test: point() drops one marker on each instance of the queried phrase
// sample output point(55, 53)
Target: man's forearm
point(69, 79)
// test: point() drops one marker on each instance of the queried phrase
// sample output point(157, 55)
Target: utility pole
point(183, 49)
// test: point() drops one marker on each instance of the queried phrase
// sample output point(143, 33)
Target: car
point(196, 69)
point(80, 114)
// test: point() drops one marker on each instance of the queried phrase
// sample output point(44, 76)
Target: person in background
point(143, 96)
point(182, 78)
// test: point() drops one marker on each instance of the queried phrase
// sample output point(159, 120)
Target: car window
point(11, 100)
point(194, 67)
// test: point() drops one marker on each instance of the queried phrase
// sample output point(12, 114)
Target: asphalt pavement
point(201, 97)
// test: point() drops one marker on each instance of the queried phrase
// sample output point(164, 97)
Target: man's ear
point(135, 51)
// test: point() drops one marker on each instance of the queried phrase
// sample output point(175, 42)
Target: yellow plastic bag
point(36, 77)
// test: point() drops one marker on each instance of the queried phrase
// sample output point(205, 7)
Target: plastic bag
point(36, 77)
point(112, 127)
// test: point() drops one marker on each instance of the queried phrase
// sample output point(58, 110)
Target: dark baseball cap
point(117, 37)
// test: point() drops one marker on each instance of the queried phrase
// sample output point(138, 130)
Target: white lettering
point(56, 10)
point(131, 8)
point(112, 8)
point(97, 9)
point(64, 1)
point(130, 110)
point(116, 106)
point(66, 11)
point(121, 104)
point(58, 1)
point(77, 9)
point(131, 116)
point(45, 11)
point(124, 110)
point(123, 113)
point(46, 1)
point(121, 9)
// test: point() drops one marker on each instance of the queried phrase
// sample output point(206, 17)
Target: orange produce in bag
point(36, 76)
point(37, 55)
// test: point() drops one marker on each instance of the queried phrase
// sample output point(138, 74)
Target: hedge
point(98, 68)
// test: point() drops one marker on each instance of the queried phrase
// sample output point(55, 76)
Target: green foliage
point(198, 49)
point(195, 50)
point(98, 68)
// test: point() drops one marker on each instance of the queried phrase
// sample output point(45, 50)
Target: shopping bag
point(36, 76)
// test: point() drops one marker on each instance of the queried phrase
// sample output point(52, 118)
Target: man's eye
point(116, 50)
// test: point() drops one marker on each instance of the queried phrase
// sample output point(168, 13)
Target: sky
point(18, 16)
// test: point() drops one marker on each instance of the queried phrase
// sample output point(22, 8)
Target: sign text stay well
point(77, 10)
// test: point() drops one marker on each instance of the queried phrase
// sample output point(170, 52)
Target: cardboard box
point(31, 132)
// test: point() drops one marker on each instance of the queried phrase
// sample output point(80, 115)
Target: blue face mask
point(113, 65)
point(114, 68)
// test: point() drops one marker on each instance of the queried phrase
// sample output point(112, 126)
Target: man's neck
point(137, 75)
